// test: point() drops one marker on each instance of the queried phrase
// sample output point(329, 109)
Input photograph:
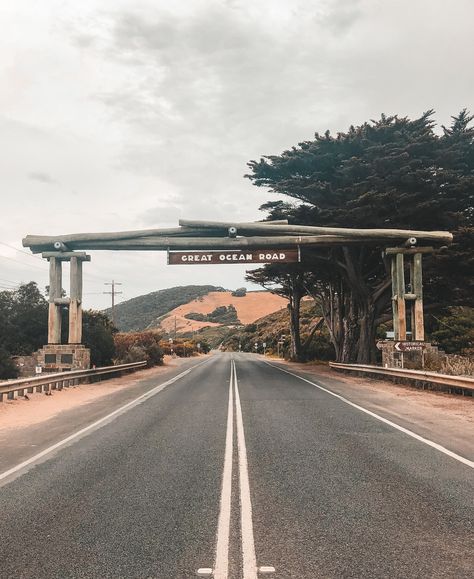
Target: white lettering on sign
point(271, 256)
point(226, 256)
point(235, 257)
point(197, 257)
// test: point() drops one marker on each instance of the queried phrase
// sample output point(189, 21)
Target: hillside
point(249, 308)
point(141, 312)
point(273, 328)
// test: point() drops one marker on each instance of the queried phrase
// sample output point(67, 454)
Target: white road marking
point(249, 568)
point(104, 420)
point(426, 441)
point(221, 567)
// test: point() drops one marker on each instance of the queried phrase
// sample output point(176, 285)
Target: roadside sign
point(264, 344)
point(265, 255)
point(38, 369)
point(409, 346)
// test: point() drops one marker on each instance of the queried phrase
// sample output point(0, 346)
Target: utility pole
point(113, 293)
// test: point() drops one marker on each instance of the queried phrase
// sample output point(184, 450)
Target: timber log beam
point(216, 235)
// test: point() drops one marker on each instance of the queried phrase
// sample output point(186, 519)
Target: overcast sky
point(129, 114)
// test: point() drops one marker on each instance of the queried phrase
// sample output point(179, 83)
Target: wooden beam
point(409, 251)
point(403, 234)
point(66, 255)
point(212, 229)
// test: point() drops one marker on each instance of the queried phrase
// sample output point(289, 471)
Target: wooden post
point(55, 288)
point(75, 305)
point(400, 293)
point(418, 325)
point(394, 298)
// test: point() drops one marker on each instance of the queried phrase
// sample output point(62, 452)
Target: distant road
point(236, 465)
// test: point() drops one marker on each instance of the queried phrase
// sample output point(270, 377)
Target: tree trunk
point(366, 350)
point(294, 307)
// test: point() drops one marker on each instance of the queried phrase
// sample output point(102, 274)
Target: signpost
point(266, 255)
point(409, 346)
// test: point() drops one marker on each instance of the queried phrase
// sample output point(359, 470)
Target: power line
point(23, 263)
point(113, 293)
point(27, 253)
point(21, 251)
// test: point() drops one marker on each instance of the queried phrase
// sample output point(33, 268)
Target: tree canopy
point(392, 172)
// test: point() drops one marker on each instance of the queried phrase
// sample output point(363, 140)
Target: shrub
point(8, 368)
point(137, 346)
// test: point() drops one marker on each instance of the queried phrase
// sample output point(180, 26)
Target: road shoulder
point(443, 418)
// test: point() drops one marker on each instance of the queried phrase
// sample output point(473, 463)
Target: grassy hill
point(141, 312)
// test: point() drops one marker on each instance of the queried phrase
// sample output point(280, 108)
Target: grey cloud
point(341, 15)
point(42, 177)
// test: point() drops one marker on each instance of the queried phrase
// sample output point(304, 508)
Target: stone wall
point(412, 359)
point(61, 358)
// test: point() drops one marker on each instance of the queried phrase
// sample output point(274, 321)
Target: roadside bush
point(240, 292)
point(137, 346)
point(8, 368)
point(179, 347)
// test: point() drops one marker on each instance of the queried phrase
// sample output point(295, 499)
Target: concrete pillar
point(55, 288)
point(75, 305)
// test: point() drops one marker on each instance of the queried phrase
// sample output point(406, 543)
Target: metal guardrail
point(445, 381)
point(60, 380)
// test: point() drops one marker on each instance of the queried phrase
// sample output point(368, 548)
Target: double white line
point(249, 563)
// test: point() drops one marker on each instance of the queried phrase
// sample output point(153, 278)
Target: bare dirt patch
point(249, 308)
point(21, 412)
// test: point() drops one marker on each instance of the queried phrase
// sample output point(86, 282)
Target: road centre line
point(426, 441)
point(102, 421)
point(249, 567)
point(221, 566)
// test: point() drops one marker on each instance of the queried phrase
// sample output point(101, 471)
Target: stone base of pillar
point(62, 358)
point(409, 355)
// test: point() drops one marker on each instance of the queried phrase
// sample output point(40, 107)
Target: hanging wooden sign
point(290, 255)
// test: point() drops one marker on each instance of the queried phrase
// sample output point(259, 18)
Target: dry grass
point(253, 306)
point(457, 366)
point(451, 364)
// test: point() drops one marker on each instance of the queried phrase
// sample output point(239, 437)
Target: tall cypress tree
point(393, 172)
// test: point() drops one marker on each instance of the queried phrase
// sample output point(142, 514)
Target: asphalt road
point(234, 466)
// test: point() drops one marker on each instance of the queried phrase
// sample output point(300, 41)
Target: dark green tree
point(454, 332)
point(287, 281)
point(23, 319)
point(8, 368)
point(98, 335)
point(393, 172)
